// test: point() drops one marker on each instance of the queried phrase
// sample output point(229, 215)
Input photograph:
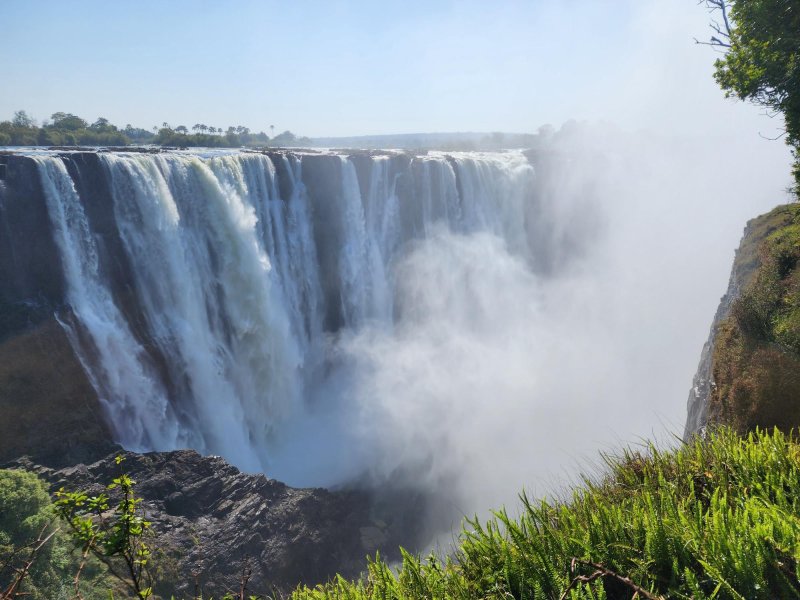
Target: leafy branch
point(114, 535)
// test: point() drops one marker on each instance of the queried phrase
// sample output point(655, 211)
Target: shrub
point(27, 518)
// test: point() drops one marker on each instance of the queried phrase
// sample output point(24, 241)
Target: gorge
point(301, 312)
point(378, 320)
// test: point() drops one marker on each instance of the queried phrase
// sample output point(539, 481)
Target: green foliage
point(27, 515)
point(234, 137)
point(24, 506)
point(21, 119)
point(756, 361)
point(717, 518)
point(114, 535)
point(68, 122)
point(66, 129)
point(763, 62)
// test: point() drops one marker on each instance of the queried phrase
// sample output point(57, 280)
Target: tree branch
point(11, 590)
point(601, 571)
point(722, 36)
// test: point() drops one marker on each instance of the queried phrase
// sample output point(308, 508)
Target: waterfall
point(115, 361)
point(243, 273)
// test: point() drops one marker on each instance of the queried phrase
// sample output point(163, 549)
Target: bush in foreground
point(37, 559)
point(717, 518)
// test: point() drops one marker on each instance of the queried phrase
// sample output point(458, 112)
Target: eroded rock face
point(31, 280)
point(702, 382)
point(48, 408)
point(745, 264)
point(209, 518)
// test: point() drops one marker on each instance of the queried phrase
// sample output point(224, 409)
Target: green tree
point(35, 557)
point(45, 137)
point(68, 121)
point(761, 64)
point(287, 138)
point(102, 124)
point(22, 119)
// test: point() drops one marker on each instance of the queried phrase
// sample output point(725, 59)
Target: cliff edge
point(748, 374)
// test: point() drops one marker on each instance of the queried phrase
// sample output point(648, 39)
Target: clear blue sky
point(361, 67)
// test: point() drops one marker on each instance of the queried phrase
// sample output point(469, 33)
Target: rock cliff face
point(31, 273)
point(49, 409)
point(210, 519)
point(705, 405)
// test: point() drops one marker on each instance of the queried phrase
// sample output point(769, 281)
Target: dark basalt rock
point(31, 280)
point(209, 518)
point(323, 181)
point(48, 407)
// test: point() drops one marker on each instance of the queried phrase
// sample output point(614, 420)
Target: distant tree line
point(217, 137)
point(66, 129)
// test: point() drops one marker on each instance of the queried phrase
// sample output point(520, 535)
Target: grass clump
point(716, 518)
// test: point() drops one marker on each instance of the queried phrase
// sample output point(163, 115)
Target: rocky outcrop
point(210, 520)
point(745, 265)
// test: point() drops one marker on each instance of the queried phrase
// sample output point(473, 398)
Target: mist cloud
point(499, 375)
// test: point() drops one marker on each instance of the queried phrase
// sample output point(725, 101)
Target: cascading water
point(136, 403)
point(249, 276)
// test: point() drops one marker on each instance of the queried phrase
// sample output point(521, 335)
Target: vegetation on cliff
point(756, 359)
point(716, 518)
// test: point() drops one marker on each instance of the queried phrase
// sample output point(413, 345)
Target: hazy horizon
point(332, 69)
